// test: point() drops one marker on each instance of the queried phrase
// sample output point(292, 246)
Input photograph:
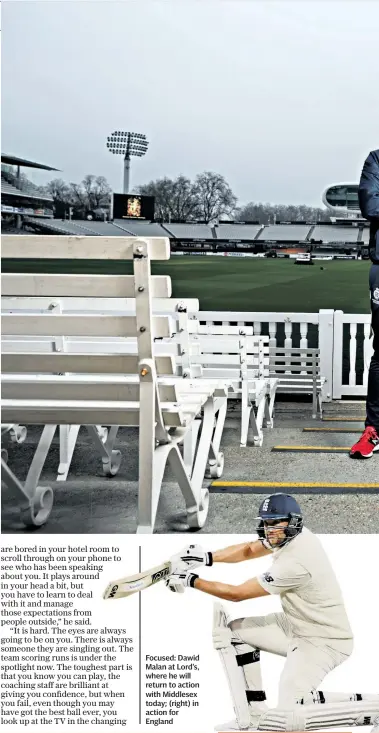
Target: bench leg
point(195, 497)
point(204, 447)
point(246, 408)
point(200, 443)
point(245, 421)
point(189, 445)
point(17, 433)
point(320, 404)
point(68, 435)
point(104, 441)
point(151, 476)
point(149, 485)
point(34, 502)
point(256, 422)
point(268, 421)
point(215, 467)
point(269, 405)
point(149, 493)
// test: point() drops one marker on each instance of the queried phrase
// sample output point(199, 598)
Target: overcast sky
point(279, 97)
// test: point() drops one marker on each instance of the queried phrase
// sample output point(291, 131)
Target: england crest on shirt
point(268, 578)
point(375, 296)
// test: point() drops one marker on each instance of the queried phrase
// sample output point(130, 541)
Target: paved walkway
point(89, 503)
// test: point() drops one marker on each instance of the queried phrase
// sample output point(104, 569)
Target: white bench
point(241, 359)
point(233, 354)
point(298, 372)
point(68, 434)
point(110, 388)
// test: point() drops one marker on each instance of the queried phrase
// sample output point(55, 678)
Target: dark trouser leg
point(372, 404)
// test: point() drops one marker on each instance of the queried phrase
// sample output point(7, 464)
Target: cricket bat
point(135, 583)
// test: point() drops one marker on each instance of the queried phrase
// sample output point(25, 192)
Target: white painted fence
point(344, 340)
point(352, 345)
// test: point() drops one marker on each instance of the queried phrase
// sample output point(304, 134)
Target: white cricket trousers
point(308, 661)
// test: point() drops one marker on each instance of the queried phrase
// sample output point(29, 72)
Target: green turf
point(235, 284)
point(244, 284)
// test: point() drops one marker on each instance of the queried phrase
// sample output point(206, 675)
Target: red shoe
point(367, 444)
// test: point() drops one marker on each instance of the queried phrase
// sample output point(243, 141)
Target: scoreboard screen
point(133, 206)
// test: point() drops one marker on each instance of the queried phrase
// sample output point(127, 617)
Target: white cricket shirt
point(309, 591)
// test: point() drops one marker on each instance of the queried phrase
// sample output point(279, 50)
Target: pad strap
point(248, 658)
point(255, 695)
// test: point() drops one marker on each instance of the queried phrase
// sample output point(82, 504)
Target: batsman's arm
point(241, 552)
point(250, 589)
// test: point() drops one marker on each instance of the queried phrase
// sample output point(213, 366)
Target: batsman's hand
point(192, 556)
point(180, 579)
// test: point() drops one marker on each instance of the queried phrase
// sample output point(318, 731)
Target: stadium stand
point(189, 231)
point(11, 186)
point(323, 233)
point(285, 232)
point(8, 188)
point(140, 228)
point(19, 197)
point(332, 233)
point(103, 228)
point(60, 226)
point(238, 231)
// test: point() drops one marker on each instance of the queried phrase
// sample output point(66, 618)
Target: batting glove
point(192, 556)
point(180, 579)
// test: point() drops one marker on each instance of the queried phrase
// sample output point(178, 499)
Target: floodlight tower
point(127, 144)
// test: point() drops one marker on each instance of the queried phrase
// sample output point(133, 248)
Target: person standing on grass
point(369, 204)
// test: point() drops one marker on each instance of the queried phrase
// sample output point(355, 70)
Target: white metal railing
point(344, 340)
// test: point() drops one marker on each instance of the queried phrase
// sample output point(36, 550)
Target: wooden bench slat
point(227, 359)
point(58, 247)
point(210, 345)
point(226, 330)
point(79, 390)
point(45, 363)
point(296, 369)
point(230, 374)
point(80, 286)
point(46, 324)
point(58, 412)
point(116, 306)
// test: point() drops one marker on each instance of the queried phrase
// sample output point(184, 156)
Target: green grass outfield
point(247, 284)
point(244, 284)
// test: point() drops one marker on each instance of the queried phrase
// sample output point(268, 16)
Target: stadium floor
point(89, 503)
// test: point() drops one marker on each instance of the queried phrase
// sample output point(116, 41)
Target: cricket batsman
point(312, 632)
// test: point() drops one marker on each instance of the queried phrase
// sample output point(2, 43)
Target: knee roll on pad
point(321, 698)
point(316, 717)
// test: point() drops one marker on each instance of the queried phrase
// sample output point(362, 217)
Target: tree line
point(208, 198)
